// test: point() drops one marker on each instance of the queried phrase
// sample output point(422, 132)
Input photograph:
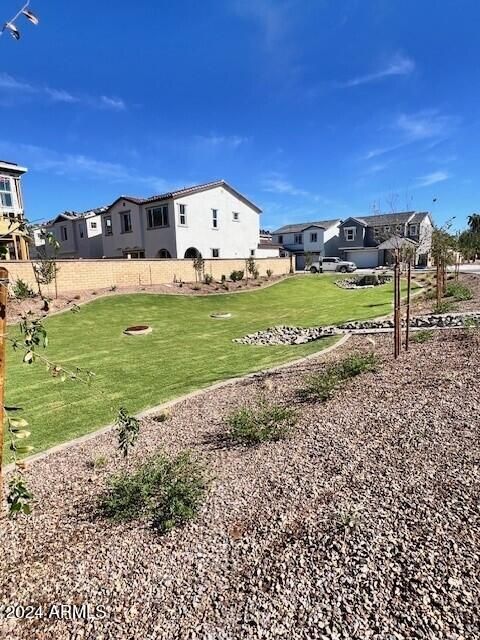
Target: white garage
point(363, 258)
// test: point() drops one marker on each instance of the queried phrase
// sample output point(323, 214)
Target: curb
point(171, 403)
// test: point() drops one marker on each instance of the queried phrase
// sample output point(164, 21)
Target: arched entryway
point(192, 252)
point(164, 253)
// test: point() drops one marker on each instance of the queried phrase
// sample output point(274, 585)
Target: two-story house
point(212, 220)
point(370, 241)
point(320, 239)
point(14, 239)
point(79, 235)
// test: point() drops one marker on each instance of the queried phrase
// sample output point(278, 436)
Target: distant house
point(317, 238)
point(370, 241)
point(14, 240)
point(79, 235)
point(212, 220)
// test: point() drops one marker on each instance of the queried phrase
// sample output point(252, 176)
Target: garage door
point(363, 259)
point(299, 262)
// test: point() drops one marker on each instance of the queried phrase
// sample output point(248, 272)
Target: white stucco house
point(212, 219)
point(79, 234)
point(318, 238)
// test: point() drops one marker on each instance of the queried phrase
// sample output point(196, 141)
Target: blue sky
point(314, 109)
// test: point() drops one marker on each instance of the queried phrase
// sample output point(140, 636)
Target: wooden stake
point(409, 289)
point(396, 307)
point(3, 340)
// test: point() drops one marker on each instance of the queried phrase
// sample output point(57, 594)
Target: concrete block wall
point(87, 275)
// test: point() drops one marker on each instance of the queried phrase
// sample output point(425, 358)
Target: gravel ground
point(424, 305)
point(365, 524)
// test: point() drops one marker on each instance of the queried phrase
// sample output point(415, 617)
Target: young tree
point(198, 267)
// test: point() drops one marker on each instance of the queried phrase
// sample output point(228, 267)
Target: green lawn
point(187, 349)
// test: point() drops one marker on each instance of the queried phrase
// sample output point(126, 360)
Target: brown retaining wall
point(85, 275)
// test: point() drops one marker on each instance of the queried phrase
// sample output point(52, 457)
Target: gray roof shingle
point(301, 226)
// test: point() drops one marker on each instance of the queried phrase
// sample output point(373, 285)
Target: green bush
point(21, 290)
point(444, 307)
point(422, 336)
point(263, 423)
point(458, 291)
point(356, 364)
point(269, 273)
point(167, 492)
point(235, 276)
point(322, 386)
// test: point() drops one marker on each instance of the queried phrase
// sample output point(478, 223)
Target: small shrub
point(236, 276)
point(263, 423)
point(422, 336)
point(167, 492)
point(208, 278)
point(196, 287)
point(269, 273)
point(458, 291)
point(97, 463)
point(356, 364)
point(223, 278)
point(113, 287)
point(322, 386)
point(21, 290)
point(444, 307)
point(162, 416)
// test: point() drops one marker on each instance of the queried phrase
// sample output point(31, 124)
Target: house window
point(5, 192)
point(298, 238)
point(63, 233)
point(386, 229)
point(93, 225)
point(215, 253)
point(236, 216)
point(350, 233)
point(134, 255)
point(413, 231)
point(215, 218)
point(398, 228)
point(313, 237)
point(126, 222)
point(157, 217)
point(252, 253)
point(376, 232)
point(108, 226)
point(82, 233)
point(164, 253)
point(280, 240)
point(182, 214)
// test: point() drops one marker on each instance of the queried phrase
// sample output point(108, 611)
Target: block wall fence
point(85, 275)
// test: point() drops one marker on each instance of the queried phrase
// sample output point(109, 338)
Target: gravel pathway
point(365, 524)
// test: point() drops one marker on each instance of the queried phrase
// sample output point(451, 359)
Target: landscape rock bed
point(283, 335)
point(364, 524)
point(431, 321)
point(363, 282)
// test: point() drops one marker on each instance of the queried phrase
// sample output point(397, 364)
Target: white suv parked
point(333, 264)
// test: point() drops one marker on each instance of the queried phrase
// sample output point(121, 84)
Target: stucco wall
point(83, 275)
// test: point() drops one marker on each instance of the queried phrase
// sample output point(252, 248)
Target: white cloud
point(428, 126)
point(214, 141)
point(20, 88)
point(399, 65)
point(425, 124)
point(79, 166)
point(432, 178)
point(277, 184)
